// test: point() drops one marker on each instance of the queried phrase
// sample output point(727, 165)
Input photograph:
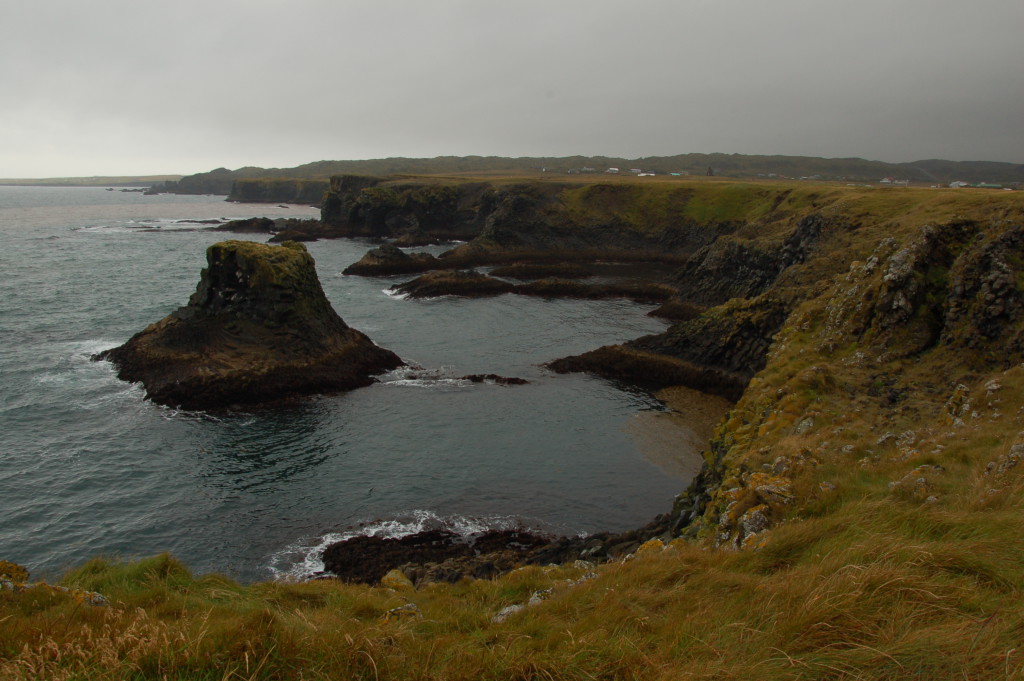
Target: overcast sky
point(107, 87)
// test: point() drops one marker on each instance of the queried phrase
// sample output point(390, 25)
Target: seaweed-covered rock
point(258, 328)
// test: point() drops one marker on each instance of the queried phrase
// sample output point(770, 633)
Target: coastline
point(674, 440)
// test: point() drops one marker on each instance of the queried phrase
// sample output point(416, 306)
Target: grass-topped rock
point(258, 328)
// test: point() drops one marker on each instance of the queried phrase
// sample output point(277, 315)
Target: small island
point(258, 329)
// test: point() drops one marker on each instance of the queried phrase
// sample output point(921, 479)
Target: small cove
point(93, 469)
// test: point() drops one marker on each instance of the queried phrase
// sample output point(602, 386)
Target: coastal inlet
point(95, 469)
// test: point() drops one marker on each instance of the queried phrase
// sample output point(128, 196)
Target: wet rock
point(495, 378)
point(641, 292)
point(249, 226)
point(528, 271)
point(388, 259)
point(292, 235)
point(258, 329)
point(443, 555)
point(457, 282)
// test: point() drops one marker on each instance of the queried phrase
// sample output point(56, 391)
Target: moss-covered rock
point(389, 259)
point(258, 328)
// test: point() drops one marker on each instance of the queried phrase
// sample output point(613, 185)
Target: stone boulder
point(258, 329)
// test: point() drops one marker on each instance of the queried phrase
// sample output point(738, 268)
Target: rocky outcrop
point(637, 291)
point(249, 226)
point(453, 283)
point(279, 190)
point(282, 229)
point(508, 222)
point(388, 259)
point(728, 306)
point(367, 559)
point(470, 283)
point(716, 352)
point(531, 271)
point(444, 556)
point(898, 335)
point(258, 329)
point(414, 212)
point(731, 267)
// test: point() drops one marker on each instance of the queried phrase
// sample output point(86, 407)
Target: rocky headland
point(855, 288)
point(857, 514)
point(257, 329)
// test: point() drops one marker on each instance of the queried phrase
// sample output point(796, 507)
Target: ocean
point(89, 468)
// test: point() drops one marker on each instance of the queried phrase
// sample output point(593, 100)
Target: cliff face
point(880, 367)
point(854, 329)
point(414, 212)
point(507, 219)
point(305, 192)
point(258, 328)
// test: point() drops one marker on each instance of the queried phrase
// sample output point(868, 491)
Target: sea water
point(89, 468)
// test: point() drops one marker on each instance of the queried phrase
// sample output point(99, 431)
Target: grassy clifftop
point(858, 517)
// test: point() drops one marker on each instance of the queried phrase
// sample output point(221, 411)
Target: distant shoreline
point(98, 181)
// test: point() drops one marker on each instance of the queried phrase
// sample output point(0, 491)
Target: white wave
point(430, 383)
point(302, 560)
point(418, 377)
point(106, 229)
point(394, 294)
point(84, 350)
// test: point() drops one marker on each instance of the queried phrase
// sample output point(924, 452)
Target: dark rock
point(677, 310)
point(527, 271)
point(258, 328)
point(367, 559)
point(292, 236)
point(638, 291)
point(249, 226)
point(733, 268)
point(389, 259)
point(443, 556)
point(454, 282)
point(495, 378)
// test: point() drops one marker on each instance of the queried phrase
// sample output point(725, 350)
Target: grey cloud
point(117, 87)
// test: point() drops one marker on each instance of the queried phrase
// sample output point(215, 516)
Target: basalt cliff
point(811, 307)
point(258, 329)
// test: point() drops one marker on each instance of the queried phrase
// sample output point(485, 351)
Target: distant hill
point(94, 181)
point(219, 181)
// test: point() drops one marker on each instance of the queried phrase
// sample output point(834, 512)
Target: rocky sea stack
point(258, 329)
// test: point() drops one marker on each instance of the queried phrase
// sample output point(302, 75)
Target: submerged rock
point(258, 328)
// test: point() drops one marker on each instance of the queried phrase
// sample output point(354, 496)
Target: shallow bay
point(90, 468)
